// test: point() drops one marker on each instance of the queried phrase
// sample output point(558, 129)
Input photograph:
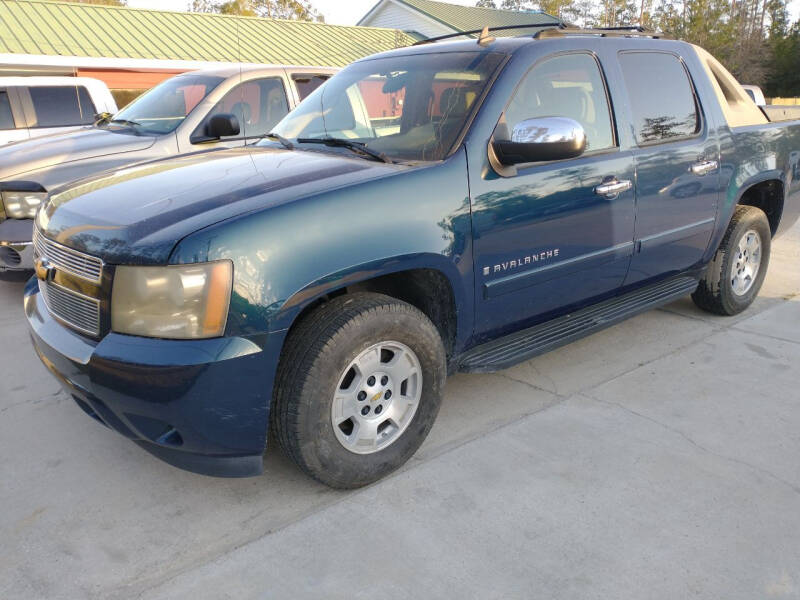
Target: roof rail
point(550, 25)
point(622, 31)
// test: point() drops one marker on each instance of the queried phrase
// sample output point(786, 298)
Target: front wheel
point(359, 386)
point(738, 269)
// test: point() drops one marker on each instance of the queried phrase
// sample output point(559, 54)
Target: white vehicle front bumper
point(16, 245)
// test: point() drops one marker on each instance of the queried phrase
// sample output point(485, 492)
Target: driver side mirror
point(541, 139)
point(222, 125)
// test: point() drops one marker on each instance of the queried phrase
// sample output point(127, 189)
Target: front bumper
point(16, 246)
point(201, 405)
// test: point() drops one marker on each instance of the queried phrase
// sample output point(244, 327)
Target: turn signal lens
point(176, 302)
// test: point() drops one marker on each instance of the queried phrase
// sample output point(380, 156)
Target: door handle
point(613, 187)
point(704, 167)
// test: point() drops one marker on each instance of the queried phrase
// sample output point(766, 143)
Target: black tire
point(715, 293)
point(316, 354)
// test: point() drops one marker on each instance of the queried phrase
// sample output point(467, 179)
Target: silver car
point(193, 112)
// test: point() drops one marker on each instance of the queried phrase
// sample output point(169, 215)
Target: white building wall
point(396, 16)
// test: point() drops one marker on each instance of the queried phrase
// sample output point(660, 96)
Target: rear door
point(677, 165)
point(12, 121)
point(258, 105)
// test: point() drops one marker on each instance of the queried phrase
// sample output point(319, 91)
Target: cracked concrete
point(656, 459)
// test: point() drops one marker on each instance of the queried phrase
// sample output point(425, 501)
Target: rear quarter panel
point(750, 155)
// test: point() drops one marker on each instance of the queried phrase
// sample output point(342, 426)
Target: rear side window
point(663, 104)
point(570, 86)
point(308, 83)
point(59, 106)
point(6, 118)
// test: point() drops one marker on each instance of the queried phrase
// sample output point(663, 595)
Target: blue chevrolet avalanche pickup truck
point(453, 206)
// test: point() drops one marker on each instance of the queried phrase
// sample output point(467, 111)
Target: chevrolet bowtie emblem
point(375, 397)
point(44, 270)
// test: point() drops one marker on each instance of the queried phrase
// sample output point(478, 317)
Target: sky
point(344, 12)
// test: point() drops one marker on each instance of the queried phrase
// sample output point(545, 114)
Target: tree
point(486, 4)
point(754, 39)
point(298, 10)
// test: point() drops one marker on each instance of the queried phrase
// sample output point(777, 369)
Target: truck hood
point(49, 150)
point(136, 215)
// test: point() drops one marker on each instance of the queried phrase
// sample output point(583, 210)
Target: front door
point(677, 168)
point(544, 238)
point(257, 104)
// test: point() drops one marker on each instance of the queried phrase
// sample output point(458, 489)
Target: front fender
point(288, 255)
point(350, 276)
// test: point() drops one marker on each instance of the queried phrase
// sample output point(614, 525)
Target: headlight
point(22, 205)
point(178, 302)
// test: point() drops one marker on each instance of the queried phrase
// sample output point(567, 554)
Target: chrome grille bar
point(76, 310)
point(66, 259)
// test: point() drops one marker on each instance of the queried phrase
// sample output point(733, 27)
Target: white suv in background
point(36, 106)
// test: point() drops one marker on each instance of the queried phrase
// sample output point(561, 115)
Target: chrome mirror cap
point(540, 140)
point(550, 130)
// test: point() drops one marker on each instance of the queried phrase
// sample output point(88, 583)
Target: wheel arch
point(429, 282)
point(767, 193)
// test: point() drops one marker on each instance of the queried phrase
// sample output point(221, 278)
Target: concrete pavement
point(657, 459)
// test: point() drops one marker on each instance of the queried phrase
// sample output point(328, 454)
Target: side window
point(570, 86)
point(308, 83)
point(662, 100)
point(258, 105)
point(6, 117)
point(60, 106)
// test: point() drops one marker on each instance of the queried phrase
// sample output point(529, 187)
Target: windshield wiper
point(357, 147)
point(127, 122)
point(276, 136)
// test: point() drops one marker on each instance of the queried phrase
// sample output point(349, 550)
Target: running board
point(522, 345)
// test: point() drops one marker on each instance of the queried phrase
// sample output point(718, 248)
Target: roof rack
point(550, 26)
point(621, 31)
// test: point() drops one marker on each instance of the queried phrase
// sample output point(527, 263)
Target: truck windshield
point(165, 107)
point(408, 108)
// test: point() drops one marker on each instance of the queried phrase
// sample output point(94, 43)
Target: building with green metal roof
point(133, 48)
point(43, 27)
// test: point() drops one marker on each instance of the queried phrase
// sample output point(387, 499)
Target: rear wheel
point(738, 269)
point(359, 386)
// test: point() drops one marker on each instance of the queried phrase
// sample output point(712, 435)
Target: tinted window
point(308, 83)
point(408, 107)
point(662, 100)
point(258, 105)
point(58, 106)
point(566, 86)
point(6, 118)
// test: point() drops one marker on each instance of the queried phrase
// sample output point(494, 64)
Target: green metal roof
point(467, 18)
point(69, 29)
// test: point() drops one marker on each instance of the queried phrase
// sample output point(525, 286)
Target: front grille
point(66, 259)
point(76, 310)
